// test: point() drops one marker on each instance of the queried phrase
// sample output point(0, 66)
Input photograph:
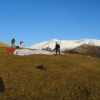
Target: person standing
point(13, 43)
point(57, 48)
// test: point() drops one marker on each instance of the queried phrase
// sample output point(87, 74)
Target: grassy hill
point(88, 50)
point(2, 44)
point(68, 77)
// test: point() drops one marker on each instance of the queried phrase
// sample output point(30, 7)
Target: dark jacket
point(57, 46)
point(13, 40)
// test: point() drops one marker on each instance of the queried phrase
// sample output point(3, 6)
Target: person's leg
point(13, 45)
point(56, 51)
point(59, 50)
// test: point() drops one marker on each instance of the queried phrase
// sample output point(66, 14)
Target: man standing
point(13, 43)
point(57, 47)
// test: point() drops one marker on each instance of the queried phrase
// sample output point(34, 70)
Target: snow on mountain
point(65, 44)
point(89, 41)
point(44, 45)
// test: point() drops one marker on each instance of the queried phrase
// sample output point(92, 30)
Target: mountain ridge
point(65, 44)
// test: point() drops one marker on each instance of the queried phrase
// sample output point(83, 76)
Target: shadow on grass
point(2, 88)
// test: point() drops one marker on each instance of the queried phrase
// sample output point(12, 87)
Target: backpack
point(57, 46)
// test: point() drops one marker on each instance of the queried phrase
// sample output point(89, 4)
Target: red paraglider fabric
point(11, 49)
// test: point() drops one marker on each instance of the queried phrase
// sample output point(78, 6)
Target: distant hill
point(87, 49)
point(2, 44)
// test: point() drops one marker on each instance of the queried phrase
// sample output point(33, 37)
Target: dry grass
point(68, 77)
point(2, 44)
point(87, 49)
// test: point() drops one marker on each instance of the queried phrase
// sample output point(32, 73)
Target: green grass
point(68, 77)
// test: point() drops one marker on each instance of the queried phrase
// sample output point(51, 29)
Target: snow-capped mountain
point(64, 44)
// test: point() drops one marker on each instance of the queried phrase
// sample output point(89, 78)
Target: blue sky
point(34, 21)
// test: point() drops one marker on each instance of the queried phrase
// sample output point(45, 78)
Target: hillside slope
point(2, 44)
point(67, 77)
point(88, 50)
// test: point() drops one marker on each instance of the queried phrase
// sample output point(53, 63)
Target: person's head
point(56, 42)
